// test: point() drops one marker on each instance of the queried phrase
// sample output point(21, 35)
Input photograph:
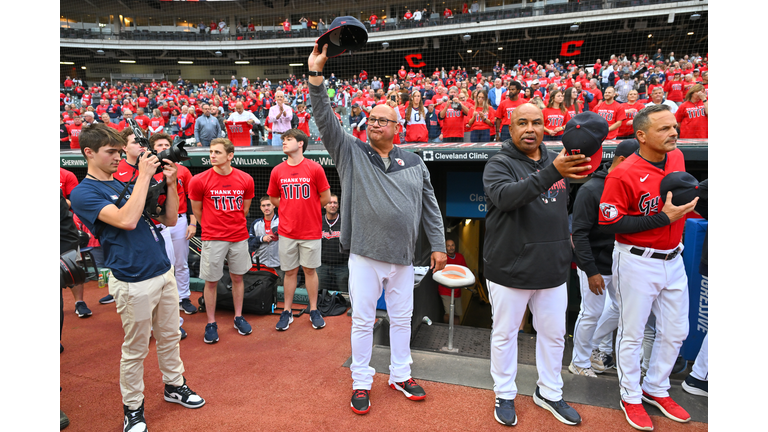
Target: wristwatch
point(314, 73)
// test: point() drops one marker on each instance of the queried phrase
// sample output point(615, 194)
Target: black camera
point(176, 153)
point(70, 274)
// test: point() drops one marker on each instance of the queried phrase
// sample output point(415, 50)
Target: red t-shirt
point(156, 122)
point(299, 188)
point(457, 259)
point(674, 90)
point(86, 100)
point(629, 113)
point(506, 107)
point(373, 19)
point(286, 26)
point(74, 135)
point(223, 198)
point(67, 181)
point(693, 122)
point(611, 113)
point(304, 121)
point(453, 123)
point(402, 73)
point(142, 121)
point(185, 179)
point(481, 125)
point(143, 101)
point(632, 189)
point(408, 15)
point(554, 118)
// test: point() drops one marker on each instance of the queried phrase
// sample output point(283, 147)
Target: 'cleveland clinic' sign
point(465, 195)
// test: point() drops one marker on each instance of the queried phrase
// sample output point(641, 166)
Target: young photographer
point(142, 280)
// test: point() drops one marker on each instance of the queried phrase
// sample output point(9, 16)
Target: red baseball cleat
point(669, 407)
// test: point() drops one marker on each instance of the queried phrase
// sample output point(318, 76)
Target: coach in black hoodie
point(527, 258)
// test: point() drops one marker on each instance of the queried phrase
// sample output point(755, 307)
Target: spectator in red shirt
point(674, 89)
point(127, 115)
point(447, 13)
point(141, 119)
point(453, 115)
point(693, 114)
point(68, 83)
point(373, 20)
point(631, 108)
point(74, 132)
point(555, 116)
point(156, 123)
point(287, 26)
point(611, 111)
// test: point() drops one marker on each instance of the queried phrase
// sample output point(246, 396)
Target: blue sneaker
point(211, 333)
point(183, 333)
point(286, 318)
point(82, 310)
point(317, 320)
point(505, 412)
point(242, 326)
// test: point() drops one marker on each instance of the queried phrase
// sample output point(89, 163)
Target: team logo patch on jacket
point(399, 161)
point(609, 211)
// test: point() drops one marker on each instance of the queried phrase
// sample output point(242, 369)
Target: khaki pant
point(150, 307)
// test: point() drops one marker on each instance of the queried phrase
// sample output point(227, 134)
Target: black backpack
point(331, 304)
point(260, 294)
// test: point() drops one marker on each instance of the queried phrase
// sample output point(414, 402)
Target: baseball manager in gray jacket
point(527, 254)
point(388, 194)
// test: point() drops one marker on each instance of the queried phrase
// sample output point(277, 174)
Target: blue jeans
point(435, 140)
point(505, 133)
point(478, 136)
point(277, 139)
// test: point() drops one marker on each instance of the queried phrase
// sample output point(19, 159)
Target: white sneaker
point(581, 371)
point(597, 359)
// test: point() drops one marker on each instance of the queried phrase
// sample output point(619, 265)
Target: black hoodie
point(593, 247)
point(527, 242)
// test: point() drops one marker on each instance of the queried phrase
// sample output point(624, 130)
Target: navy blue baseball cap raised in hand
point(346, 33)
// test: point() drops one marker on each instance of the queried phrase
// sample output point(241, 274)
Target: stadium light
point(185, 62)
point(574, 27)
point(66, 63)
point(695, 16)
point(690, 33)
point(385, 45)
point(466, 37)
point(296, 64)
point(469, 51)
point(501, 48)
point(82, 67)
point(218, 53)
point(127, 61)
point(242, 62)
point(100, 52)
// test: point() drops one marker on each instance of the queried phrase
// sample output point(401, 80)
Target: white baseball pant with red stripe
point(645, 285)
point(367, 279)
point(592, 307)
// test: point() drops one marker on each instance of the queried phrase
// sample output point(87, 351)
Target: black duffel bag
point(260, 292)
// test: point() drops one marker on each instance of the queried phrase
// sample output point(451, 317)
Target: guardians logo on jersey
point(608, 211)
point(647, 205)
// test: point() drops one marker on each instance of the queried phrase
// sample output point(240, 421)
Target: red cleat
point(636, 416)
point(669, 407)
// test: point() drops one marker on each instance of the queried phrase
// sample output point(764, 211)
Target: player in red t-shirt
point(299, 188)
point(611, 111)
point(652, 277)
point(223, 194)
point(74, 130)
point(693, 114)
point(632, 107)
point(445, 293)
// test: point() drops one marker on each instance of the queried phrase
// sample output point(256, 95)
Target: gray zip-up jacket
point(268, 253)
point(384, 205)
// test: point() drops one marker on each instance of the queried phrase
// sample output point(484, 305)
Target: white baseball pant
point(367, 279)
point(548, 307)
point(181, 253)
point(166, 233)
point(700, 369)
point(592, 307)
point(608, 321)
point(645, 285)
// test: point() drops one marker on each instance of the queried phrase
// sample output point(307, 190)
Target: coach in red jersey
point(647, 265)
point(611, 111)
point(223, 194)
point(299, 188)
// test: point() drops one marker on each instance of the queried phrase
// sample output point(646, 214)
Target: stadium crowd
point(448, 105)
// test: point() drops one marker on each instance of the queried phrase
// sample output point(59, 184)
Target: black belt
point(657, 255)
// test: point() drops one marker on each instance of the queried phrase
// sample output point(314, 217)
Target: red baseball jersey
point(611, 113)
point(223, 198)
point(632, 189)
point(299, 188)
